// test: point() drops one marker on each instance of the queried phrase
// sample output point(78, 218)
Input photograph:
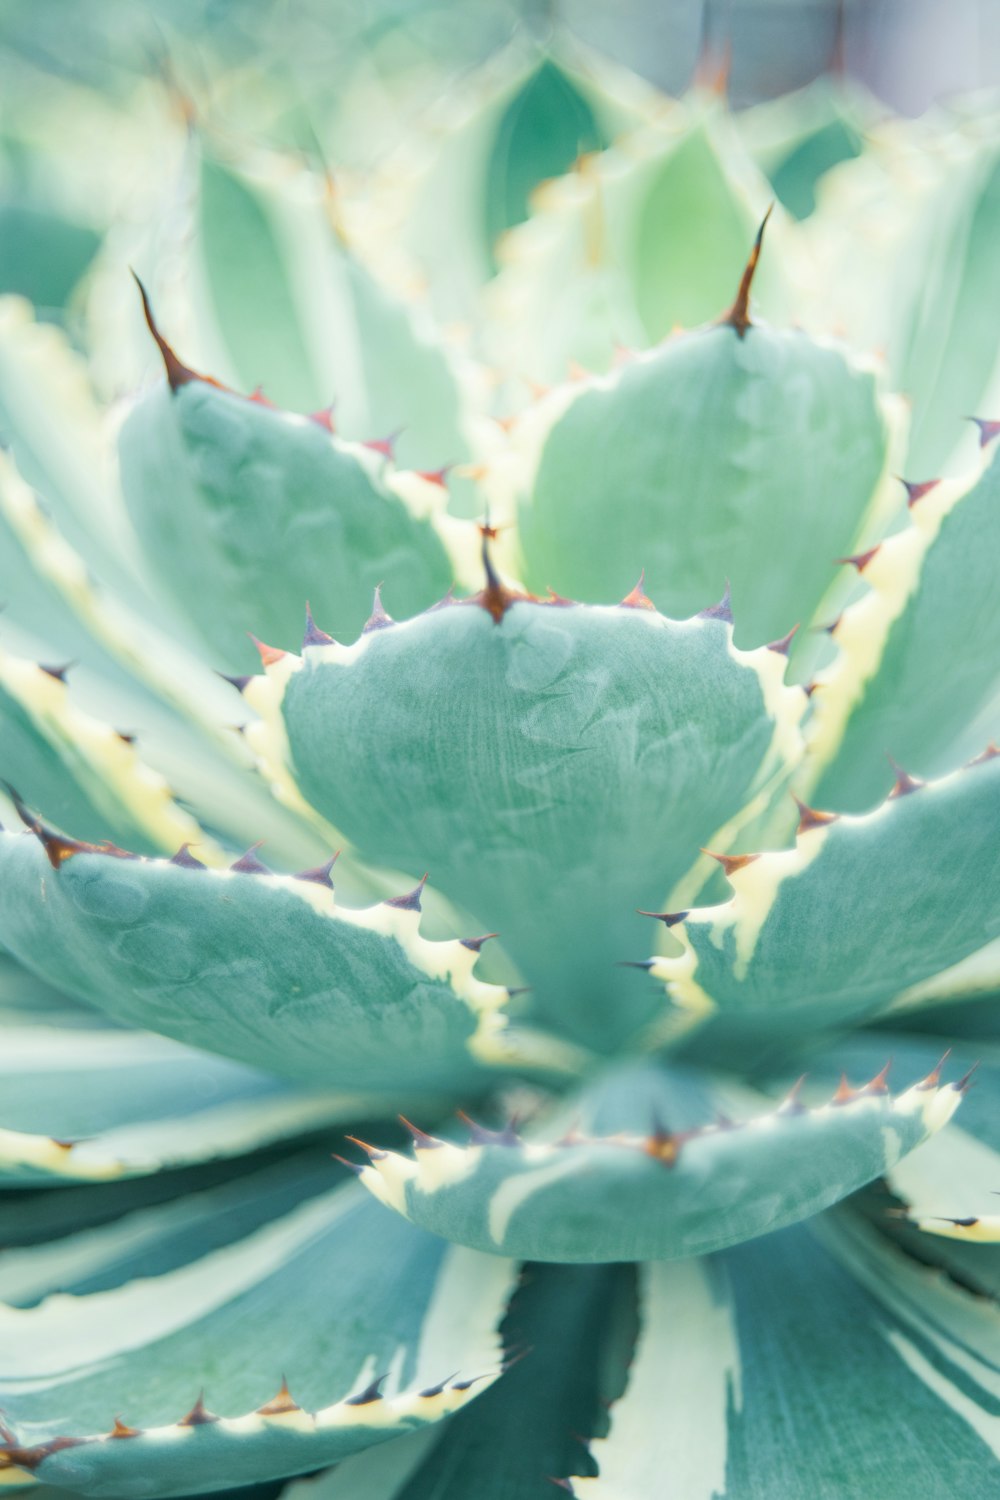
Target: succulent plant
point(689, 833)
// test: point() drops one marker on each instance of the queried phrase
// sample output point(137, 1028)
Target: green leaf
point(755, 1371)
point(626, 1185)
point(914, 677)
point(264, 968)
point(80, 1100)
point(862, 909)
point(552, 770)
point(245, 513)
point(328, 1290)
point(751, 456)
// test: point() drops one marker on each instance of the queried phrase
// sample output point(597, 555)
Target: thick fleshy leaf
point(609, 745)
point(367, 1318)
point(753, 454)
point(861, 910)
point(624, 1185)
point(322, 328)
point(754, 1372)
point(244, 513)
point(263, 968)
point(82, 1100)
point(88, 776)
point(569, 1331)
point(608, 258)
point(914, 676)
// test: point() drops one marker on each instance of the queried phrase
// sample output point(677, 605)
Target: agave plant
point(592, 1226)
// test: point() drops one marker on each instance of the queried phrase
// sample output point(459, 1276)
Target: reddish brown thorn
point(199, 1415)
point(313, 636)
point(963, 1084)
point(411, 900)
point(59, 673)
point(351, 1166)
point(421, 1140)
point(987, 429)
point(385, 446)
point(178, 374)
point(269, 655)
point(125, 737)
point(732, 862)
point(668, 918)
point(905, 783)
point(810, 818)
point(122, 1430)
point(496, 598)
point(186, 859)
point(990, 753)
point(324, 418)
point(933, 1078)
point(784, 645)
point(880, 1083)
point(663, 1146)
point(58, 847)
point(722, 611)
point(378, 619)
point(279, 1404)
point(859, 560)
point(738, 316)
point(915, 492)
point(249, 864)
point(319, 874)
point(636, 597)
point(476, 943)
point(560, 600)
point(370, 1393)
point(845, 1094)
point(436, 476)
point(372, 1152)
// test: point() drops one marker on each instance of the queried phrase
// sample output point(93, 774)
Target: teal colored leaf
point(263, 968)
point(754, 457)
point(346, 1302)
point(915, 677)
point(82, 1100)
point(43, 255)
point(244, 514)
point(610, 744)
point(643, 1176)
point(863, 909)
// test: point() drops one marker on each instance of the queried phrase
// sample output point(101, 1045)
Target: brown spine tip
point(663, 1147)
point(880, 1083)
point(933, 1078)
point(964, 1083)
point(324, 418)
point(987, 430)
point(915, 492)
point(411, 900)
point(320, 874)
point(313, 636)
point(668, 918)
point(421, 1140)
point(186, 859)
point(636, 598)
point(436, 476)
point(495, 597)
point(731, 863)
point(990, 753)
point(259, 398)
point(379, 618)
point(249, 864)
point(905, 783)
point(123, 1430)
point(859, 560)
point(476, 943)
point(844, 1094)
point(199, 1415)
point(269, 655)
point(722, 611)
point(738, 316)
point(810, 818)
point(783, 646)
point(385, 446)
point(281, 1404)
point(178, 373)
point(372, 1152)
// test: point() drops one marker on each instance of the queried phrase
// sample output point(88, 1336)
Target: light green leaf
point(914, 677)
point(753, 456)
point(245, 514)
point(862, 909)
point(264, 968)
point(329, 1291)
point(610, 744)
